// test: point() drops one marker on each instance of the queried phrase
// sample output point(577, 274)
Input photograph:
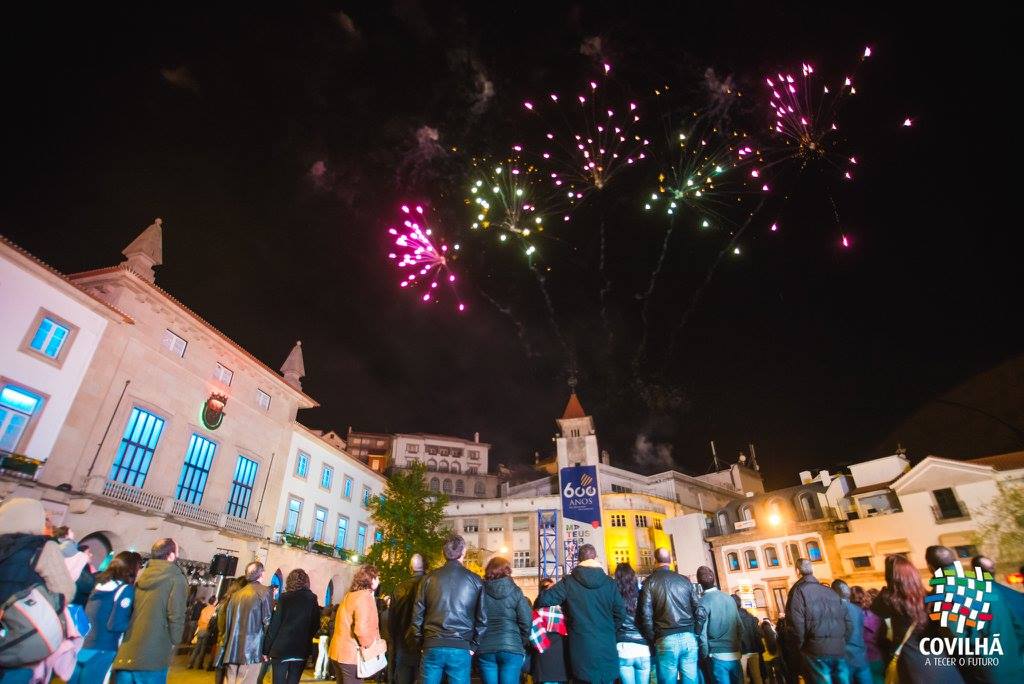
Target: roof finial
point(294, 369)
point(146, 251)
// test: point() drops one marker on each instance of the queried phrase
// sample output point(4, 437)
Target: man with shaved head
point(939, 557)
point(404, 658)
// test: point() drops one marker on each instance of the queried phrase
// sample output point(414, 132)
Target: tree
point(410, 519)
point(1002, 529)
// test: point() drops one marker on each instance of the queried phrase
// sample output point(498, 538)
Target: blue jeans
point(20, 675)
point(440, 661)
point(675, 655)
point(726, 671)
point(502, 667)
point(860, 673)
point(139, 677)
point(635, 670)
point(92, 666)
point(828, 669)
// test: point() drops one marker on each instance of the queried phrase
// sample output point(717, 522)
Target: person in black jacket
point(670, 617)
point(404, 660)
point(750, 643)
point(820, 626)
point(501, 653)
point(295, 621)
point(634, 653)
point(594, 611)
point(448, 618)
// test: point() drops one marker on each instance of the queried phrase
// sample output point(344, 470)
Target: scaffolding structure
point(547, 543)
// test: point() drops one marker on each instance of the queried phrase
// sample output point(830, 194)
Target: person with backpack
point(35, 588)
point(157, 621)
point(109, 610)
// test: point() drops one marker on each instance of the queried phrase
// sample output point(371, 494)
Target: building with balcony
point(372, 448)
point(639, 513)
point(145, 421)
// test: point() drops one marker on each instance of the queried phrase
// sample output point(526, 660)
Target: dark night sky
point(212, 119)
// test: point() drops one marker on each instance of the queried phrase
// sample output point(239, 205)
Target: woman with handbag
point(901, 607)
point(356, 649)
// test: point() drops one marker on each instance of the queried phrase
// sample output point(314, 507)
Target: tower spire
point(294, 369)
point(146, 251)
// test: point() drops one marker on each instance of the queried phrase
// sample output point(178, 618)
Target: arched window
point(807, 504)
point(813, 551)
point(443, 466)
point(723, 523)
point(460, 487)
point(329, 594)
point(734, 561)
point(746, 512)
point(435, 484)
point(456, 468)
point(432, 464)
point(760, 599)
point(751, 558)
point(771, 557)
point(446, 486)
point(478, 489)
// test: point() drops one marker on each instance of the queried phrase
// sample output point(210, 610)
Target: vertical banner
point(581, 512)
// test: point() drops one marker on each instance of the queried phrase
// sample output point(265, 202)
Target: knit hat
point(20, 515)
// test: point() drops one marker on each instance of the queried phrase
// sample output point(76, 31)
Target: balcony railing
point(188, 511)
point(245, 527)
point(949, 513)
point(135, 496)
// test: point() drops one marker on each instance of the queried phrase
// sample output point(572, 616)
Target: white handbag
point(372, 659)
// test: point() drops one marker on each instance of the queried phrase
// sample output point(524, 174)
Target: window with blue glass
point(327, 477)
point(348, 488)
point(196, 469)
point(771, 556)
point(813, 551)
point(366, 496)
point(734, 561)
point(361, 538)
point(751, 559)
point(339, 538)
point(49, 337)
point(241, 486)
point(302, 465)
point(319, 523)
point(17, 408)
point(135, 453)
point(377, 536)
point(294, 514)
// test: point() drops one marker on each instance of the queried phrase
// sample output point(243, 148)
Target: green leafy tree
point(1002, 530)
point(410, 519)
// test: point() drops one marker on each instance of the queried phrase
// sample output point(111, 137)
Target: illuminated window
point(367, 495)
point(302, 465)
point(173, 343)
point(734, 561)
point(751, 559)
point(263, 400)
point(51, 334)
point(361, 538)
point(326, 477)
point(319, 523)
point(223, 373)
point(339, 537)
point(377, 536)
point(241, 486)
point(618, 520)
point(134, 455)
point(294, 515)
point(813, 551)
point(771, 556)
point(348, 488)
point(195, 470)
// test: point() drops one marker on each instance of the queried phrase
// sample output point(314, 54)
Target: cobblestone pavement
point(180, 674)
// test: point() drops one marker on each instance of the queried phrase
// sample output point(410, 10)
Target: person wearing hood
point(594, 612)
point(501, 653)
point(22, 525)
point(157, 621)
point(293, 625)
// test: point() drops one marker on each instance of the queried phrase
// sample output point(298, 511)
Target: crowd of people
point(64, 621)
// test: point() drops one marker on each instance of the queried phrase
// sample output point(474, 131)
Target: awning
point(957, 539)
point(855, 551)
point(891, 546)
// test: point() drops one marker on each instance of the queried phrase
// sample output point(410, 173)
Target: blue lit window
point(771, 556)
point(17, 406)
point(339, 539)
point(377, 536)
point(751, 559)
point(131, 463)
point(294, 513)
point(367, 494)
point(302, 465)
point(348, 488)
point(361, 538)
point(49, 338)
point(196, 470)
point(327, 477)
point(813, 551)
point(241, 486)
point(319, 522)
point(734, 561)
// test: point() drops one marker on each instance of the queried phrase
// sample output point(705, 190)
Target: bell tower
point(576, 443)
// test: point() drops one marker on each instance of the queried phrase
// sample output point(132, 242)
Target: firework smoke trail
point(520, 326)
point(699, 293)
point(646, 296)
point(606, 288)
point(551, 312)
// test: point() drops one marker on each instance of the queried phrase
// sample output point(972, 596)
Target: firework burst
point(423, 257)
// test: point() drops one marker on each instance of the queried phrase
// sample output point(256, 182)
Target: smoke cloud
point(649, 454)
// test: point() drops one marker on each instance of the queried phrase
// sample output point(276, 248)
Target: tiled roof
point(574, 409)
point(1010, 461)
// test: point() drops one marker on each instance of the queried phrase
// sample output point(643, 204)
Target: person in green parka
point(594, 611)
point(157, 621)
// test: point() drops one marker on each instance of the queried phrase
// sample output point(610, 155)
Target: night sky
point(276, 146)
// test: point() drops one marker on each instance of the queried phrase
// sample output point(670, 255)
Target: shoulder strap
point(906, 638)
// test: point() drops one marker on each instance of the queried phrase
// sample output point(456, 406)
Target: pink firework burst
point(423, 257)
